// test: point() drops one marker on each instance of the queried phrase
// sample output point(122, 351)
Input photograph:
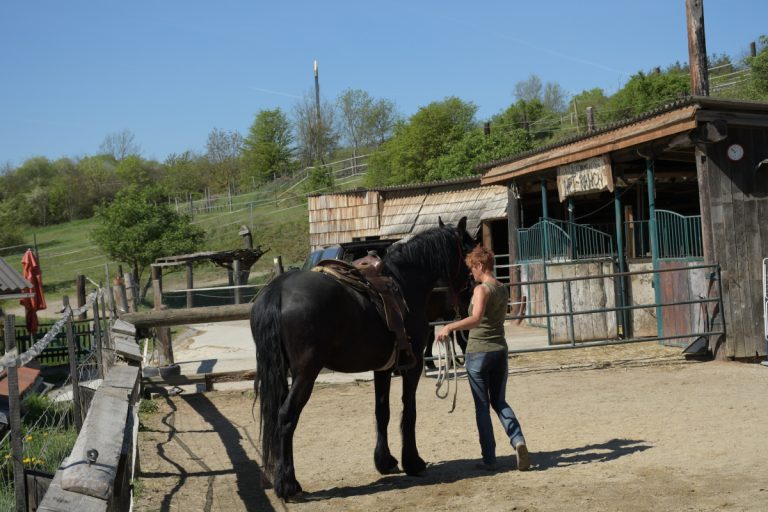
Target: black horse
point(307, 321)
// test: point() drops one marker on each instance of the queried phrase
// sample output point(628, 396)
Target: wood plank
point(58, 500)
point(716, 157)
point(104, 431)
point(123, 327)
point(740, 174)
point(128, 349)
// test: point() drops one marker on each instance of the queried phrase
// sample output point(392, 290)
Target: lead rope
point(446, 354)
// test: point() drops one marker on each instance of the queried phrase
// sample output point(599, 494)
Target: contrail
point(276, 92)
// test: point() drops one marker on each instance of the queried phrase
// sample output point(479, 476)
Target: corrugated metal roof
point(10, 280)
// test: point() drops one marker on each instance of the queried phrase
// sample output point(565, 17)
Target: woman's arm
point(479, 301)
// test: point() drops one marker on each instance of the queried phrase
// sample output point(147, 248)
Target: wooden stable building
point(688, 184)
point(675, 201)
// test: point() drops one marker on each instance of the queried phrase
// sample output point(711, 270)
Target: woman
point(486, 358)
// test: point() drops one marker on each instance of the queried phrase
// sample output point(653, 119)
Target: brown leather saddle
point(364, 276)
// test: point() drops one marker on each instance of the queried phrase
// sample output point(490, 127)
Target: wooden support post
point(278, 264)
point(97, 338)
point(130, 292)
point(163, 333)
point(108, 291)
point(590, 120)
point(190, 285)
point(74, 376)
point(236, 272)
point(108, 336)
point(121, 297)
point(80, 290)
point(14, 404)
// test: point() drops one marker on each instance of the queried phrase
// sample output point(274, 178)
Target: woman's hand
point(443, 334)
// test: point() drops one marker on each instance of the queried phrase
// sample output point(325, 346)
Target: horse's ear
point(462, 227)
point(440, 222)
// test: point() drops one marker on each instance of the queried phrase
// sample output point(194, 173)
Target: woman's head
point(482, 257)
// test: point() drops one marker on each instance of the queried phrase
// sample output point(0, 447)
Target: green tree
point(476, 148)
point(223, 150)
point(415, 147)
point(365, 121)
point(644, 92)
point(136, 229)
point(183, 174)
point(267, 149)
point(759, 66)
point(316, 132)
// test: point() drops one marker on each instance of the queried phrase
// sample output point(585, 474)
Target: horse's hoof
point(288, 491)
point(388, 466)
point(415, 468)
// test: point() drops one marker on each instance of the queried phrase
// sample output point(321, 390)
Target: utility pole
point(697, 47)
point(319, 130)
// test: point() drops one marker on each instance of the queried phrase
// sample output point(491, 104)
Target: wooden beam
point(642, 132)
point(170, 317)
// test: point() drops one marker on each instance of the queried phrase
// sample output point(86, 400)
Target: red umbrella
point(36, 303)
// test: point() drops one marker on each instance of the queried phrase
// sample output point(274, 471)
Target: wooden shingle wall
point(336, 218)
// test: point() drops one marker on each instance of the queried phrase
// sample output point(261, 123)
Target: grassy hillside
point(276, 215)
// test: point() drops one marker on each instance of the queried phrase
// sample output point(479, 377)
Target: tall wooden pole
point(697, 47)
point(14, 406)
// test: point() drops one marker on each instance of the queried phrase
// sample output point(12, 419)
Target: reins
point(446, 355)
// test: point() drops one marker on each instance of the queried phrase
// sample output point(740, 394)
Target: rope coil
point(446, 361)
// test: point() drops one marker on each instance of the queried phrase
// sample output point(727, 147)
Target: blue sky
point(170, 71)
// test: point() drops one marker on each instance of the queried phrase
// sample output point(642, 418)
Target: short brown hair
point(482, 256)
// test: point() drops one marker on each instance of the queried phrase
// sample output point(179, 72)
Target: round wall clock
point(735, 152)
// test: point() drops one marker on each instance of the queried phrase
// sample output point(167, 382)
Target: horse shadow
point(251, 483)
point(447, 472)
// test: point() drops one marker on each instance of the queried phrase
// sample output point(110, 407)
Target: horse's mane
point(429, 250)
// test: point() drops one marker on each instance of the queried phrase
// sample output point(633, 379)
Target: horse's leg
point(412, 463)
point(382, 457)
point(285, 482)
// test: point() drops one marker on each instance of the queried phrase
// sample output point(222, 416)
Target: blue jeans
point(487, 372)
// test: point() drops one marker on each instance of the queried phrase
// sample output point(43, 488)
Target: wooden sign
point(585, 177)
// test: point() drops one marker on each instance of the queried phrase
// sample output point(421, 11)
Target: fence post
point(14, 403)
point(190, 285)
point(163, 333)
point(108, 336)
point(97, 337)
point(80, 288)
point(74, 376)
point(109, 292)
point(278, 263)
point(130, 292)
point(236, 275)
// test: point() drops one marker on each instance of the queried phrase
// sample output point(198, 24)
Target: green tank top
point(488, 336)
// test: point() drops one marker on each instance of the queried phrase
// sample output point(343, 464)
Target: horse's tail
point(271, 380)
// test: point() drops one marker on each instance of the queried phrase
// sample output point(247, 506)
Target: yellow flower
point(45, 434)
point(8, 456)
point(26, 460)
point(29, 438)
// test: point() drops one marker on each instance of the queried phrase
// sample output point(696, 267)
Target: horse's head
point(460, 280)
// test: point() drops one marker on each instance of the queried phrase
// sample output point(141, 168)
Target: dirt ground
point(610, 428)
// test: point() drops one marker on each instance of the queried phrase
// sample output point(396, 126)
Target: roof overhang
point(657, 127)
